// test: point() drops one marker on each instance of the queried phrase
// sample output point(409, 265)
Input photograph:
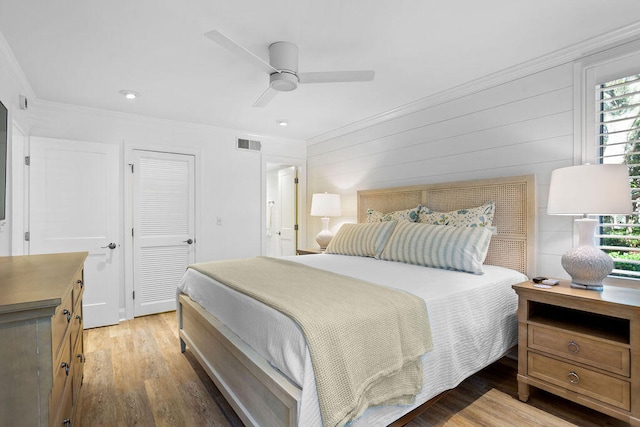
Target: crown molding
point(566, 55)
point(14, 65)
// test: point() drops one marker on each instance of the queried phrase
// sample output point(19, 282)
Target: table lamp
point(601, 189)
point(325, 205)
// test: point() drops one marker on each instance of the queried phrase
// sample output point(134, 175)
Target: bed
point(267, 391)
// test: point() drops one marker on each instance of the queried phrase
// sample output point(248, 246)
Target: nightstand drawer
point(580, 348)
point(606, 389)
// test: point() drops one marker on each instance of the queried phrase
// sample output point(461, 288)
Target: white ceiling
point(83, 52)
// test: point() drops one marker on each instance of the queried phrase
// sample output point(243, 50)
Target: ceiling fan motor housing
point(283, 56)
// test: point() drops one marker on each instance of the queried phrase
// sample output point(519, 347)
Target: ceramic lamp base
point(324, 236)
point(587, 266)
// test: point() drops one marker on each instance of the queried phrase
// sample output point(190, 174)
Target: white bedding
point(473, 321)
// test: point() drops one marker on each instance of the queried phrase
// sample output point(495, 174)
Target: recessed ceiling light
point(282, 122)
point(129, 94)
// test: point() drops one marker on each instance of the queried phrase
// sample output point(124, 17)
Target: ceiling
point(83, 52)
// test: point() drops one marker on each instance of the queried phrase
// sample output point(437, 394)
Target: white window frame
point(593, 70)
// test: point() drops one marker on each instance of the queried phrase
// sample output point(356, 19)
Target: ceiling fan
point(283, 68)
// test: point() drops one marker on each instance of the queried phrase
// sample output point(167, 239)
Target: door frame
point(129, 311)
point(19, 189)
point(301, 166)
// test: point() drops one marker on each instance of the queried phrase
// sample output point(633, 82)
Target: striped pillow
point(439, 246)
point(361, 239)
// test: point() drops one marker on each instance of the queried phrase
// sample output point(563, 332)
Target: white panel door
point(164, 227)
point(287, 189)
point(74, 207)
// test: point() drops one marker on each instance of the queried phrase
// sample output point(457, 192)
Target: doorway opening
point(281, 210)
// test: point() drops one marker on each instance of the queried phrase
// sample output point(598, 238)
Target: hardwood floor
point(135, 375)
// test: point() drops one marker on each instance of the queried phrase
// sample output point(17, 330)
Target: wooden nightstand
point(310, 251)
point(581, 345)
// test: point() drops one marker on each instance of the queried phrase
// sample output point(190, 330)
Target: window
point(617, 111)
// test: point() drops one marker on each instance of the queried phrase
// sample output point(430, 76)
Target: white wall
point(518, 126)
point(229, 180)
point(11, 87)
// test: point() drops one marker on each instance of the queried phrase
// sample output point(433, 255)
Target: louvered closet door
point(164, 231)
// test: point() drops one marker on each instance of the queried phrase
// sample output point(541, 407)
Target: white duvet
point(473, 323)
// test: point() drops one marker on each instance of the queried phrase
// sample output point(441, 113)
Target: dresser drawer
point(78, 367)
point(598, 386)
point(62, 370)
point(63, 409)
point(78, 287)
point(59, 323)
point(580, 348)
point(76, 324)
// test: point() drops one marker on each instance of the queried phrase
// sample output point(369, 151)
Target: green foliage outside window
point(620, 142)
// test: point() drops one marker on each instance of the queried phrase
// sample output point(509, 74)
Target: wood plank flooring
point(135, 375)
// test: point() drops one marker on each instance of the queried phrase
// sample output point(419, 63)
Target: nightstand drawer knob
point(573, 378)
point(573, 347)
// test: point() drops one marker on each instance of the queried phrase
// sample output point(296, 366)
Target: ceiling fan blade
point(265, 98)
point(236, 49)
point(337, 76)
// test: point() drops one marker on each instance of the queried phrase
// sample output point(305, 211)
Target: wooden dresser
point(581, 345)
point(42, 349)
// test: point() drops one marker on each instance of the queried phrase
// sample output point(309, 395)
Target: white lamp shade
point(325, 204)
point(590, 190)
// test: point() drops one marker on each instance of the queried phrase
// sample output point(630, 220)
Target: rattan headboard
point(514, 244)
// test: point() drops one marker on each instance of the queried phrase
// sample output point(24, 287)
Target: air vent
point(246, 144)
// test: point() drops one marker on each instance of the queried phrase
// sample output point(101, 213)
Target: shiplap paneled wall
point(520, 127)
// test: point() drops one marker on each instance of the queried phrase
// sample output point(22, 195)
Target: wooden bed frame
point(260, 394)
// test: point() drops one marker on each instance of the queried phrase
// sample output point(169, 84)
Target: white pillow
point(439, 246)
point(361, 239)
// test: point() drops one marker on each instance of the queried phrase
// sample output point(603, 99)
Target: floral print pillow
point(480, 216)
point(410, 215)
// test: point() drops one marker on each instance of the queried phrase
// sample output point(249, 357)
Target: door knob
point(110, 246)
point(188, 241)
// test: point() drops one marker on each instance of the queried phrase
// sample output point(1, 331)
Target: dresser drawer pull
point(66, 422)
point(573, 378)
point(81, 357)
point(65, 365)
point(78, 318)
point(573, 347)
point(81, 283)
point(68, 314)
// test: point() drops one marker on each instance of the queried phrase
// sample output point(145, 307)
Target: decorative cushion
point(361, 239)
point(407, 214)
point(480, 216)
point(439, 246)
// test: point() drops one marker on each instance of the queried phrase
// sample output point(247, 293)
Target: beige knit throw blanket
point(365, 340)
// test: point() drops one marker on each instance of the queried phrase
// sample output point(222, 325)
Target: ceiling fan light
point(283, 82)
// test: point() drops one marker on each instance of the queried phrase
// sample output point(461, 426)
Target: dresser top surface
point(36, 281)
